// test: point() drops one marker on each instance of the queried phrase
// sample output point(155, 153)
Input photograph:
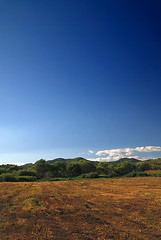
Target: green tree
point(124, 168)
point(142, 166)
point(59, 169)
point(73, 169)
point(41, 167)
point(2, 170)
point(103, 168)
point(86, 166)
point(27, 173)
point(14, 168)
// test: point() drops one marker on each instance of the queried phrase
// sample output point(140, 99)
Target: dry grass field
point(85, 209)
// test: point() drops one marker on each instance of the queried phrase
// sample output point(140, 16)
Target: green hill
point(155, 164)
point(77, 159)
point(27, 165)
point(122, 160)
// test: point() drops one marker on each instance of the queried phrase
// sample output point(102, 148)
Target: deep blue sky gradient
point(78, 75)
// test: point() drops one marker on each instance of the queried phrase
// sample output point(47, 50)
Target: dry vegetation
point(86, 209)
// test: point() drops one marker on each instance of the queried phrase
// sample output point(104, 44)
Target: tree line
point(66, 170)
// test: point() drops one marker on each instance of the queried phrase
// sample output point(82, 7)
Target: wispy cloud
point(116, 154)
point(90, 151)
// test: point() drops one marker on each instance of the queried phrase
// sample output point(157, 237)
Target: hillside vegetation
point(78, 168)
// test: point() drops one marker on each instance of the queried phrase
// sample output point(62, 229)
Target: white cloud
point(116, 154)
point(148, 149)
point(90, 151)
point(100, 159)
point(128, 151)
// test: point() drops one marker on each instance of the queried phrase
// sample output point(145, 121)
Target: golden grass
point(86, 209)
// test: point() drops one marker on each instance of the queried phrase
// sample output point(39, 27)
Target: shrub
point(83, 175)
point(143, 166)
point(86, 166)
point(131, 174)
point(104, 168)
point(142, 174)
point(26, 179)
point(8, 177)
point(59, 169)
point(137, 174)
point(91, 175)
point(27, 173)
point(14, 168)
point(124, 168)
point(1, 178)
point(41, 167)
point(73, 169)
point(112, 174)
point(2, 170)
point(157, 174)
point(56, 179)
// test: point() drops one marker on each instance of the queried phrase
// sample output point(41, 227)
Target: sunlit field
point(125, 208)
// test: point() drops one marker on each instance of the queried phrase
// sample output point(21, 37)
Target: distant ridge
point(27, 165)
point(129, 160)
point(77, 159)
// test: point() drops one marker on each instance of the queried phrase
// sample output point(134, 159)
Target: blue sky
point(78, 76)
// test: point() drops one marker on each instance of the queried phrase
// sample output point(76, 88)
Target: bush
point(83, 175)
point(104, 168)
point(2, 170)
point(27, 173)
point(73, 169)
point(142, 174)
point(124, 168)
point(8, 177)
point(86, 166)
point(137, 174)
point(41, 167)
point(157, 174)
point(1, 178)
point(112, 175)
point(143, 166)
point(91, 175)
point(131, 174)
point(26, 179)
point(14, 168)
point(56, 179)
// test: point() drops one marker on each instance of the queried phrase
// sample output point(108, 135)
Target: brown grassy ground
point(151, 172)
point(86, 209)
